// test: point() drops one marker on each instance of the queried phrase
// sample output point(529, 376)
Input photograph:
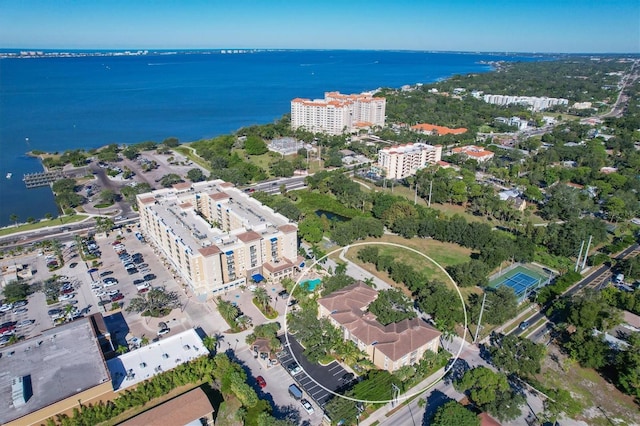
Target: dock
point(35, 180)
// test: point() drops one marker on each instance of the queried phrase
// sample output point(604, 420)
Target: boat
point(9, 175)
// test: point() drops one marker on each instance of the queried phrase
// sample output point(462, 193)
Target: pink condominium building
point(338, 113)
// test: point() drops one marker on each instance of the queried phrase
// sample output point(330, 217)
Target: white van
point(619, 279)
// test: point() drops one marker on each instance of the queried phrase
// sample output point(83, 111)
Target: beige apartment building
point(217, 237)
point(338, 113)
point(401, 161)
point(389, 347)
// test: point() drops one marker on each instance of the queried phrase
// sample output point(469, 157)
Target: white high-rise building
point(401, 161)
point(535, 103)
point(338, 113)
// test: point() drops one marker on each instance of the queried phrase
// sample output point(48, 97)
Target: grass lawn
point(64, 220)
point(589, 389)
point(444, 253)
point(190, 153)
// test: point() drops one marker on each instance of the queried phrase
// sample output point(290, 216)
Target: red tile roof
point(182, 185)
point(209, 251)
point(288, 228)
point(348, 308)
point(147, 200)
point(440, 130)
point(245, 237)
point(217, 196)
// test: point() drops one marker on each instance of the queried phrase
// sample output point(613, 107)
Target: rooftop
point(60, 362)
point(166, 354)
point(182, 410)
point(175, 208)
point(348, 307)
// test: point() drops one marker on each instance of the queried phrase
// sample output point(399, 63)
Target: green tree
point(262, 297)
point(228, 311)
point(171, 142)
point(14, 218)
point(104, 224)
point(391, 306)
point(255, 145)
point(454, 414)
point(108, 196)
point(156, 302)
point(16, 290)
point(515, 354)
point(482, 385)
point(196, 175)
point(170, 179)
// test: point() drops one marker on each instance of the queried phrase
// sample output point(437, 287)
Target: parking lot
point(329, 376)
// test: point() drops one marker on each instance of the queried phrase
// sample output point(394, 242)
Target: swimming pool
point(310, 285)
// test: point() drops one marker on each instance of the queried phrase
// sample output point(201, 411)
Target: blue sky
point(469, 25)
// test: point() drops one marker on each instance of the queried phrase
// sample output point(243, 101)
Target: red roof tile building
point(389, 347)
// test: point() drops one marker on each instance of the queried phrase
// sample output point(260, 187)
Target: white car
point(6, 307)
point(307, 406)
point(100, 293)
point(67, 296)
point(110, 284)
point(113, 292)
point(25, 323)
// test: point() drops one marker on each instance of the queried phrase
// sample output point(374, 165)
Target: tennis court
point(521, 279)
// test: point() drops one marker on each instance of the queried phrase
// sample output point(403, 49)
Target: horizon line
point(187, 49)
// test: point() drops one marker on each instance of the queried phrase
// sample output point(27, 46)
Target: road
point(595, 279)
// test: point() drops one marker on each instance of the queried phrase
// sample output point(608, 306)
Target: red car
point(261, 382)
point(117, 297)
point(9, 330)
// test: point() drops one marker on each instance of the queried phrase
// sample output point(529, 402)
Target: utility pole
point(430, 188)
point(579, 256)
point(480, 317)
point(586, 253)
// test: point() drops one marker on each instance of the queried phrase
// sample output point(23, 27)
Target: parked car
point(110, 280)
point(25, 323)
point(149, 277)
point(6, 307)
point(73, 265)
point(144, 265)
point(105, 273)
point(261, 382)
point(113, 292)
point(132, 271)
point(20, 310)
point(92, 270)
point(68, 296)
point(20, 303)
point(294, 368)
point(116, 297)
point(163, 331)
point(307, 406)
point(138, 281)
point(143, 290)
point(68, 290)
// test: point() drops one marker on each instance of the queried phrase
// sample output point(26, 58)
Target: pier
point(35, 180)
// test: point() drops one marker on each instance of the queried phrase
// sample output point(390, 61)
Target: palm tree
point(243, 321)
point(144, 341)
point(122, 350)
point(210, 342)
point(262, 297)
point(227, 311)
point(48, 216)
point(14, 218)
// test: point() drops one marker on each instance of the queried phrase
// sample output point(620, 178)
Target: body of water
point(57, 104)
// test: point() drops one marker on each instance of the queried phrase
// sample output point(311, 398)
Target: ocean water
point(56, 104)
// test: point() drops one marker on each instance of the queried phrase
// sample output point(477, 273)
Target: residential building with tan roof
point(217, 237)
point(400, 161)
point(338, 113)
point(190, 408)
point(389, 347)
